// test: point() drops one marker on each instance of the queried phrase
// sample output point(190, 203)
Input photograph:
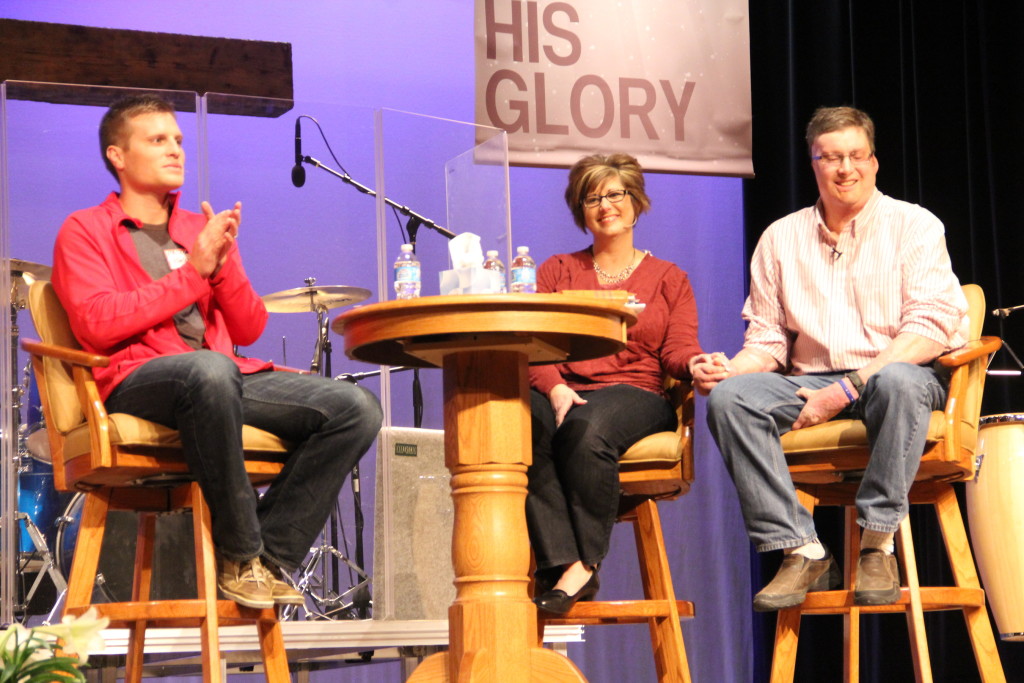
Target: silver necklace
point(623, 274)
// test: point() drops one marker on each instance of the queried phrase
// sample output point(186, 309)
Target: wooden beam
point(57, 62)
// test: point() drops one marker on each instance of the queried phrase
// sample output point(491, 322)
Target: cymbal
point(308, 299)
point(36, 270)
point(23, 274)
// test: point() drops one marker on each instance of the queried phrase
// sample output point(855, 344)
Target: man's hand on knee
point(821, 404)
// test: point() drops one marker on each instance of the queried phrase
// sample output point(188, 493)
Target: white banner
point(667, 81)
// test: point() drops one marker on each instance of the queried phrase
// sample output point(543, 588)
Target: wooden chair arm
point(970, 351)
point(65, 354)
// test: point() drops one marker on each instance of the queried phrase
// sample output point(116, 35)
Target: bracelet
point(847, 391)
point(855, 381)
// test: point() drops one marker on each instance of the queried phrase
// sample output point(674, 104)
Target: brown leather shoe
point(247, 583)
point(281, 589)
point(797, 575)
point(878, 578)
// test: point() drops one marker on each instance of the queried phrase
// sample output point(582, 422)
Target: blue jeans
point(748, 413)
point(207, 399)
point(573, 483)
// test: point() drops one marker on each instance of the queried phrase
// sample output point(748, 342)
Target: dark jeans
point(203, 395)
point(573, 489)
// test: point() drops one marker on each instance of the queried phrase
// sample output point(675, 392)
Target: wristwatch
point(856, 381)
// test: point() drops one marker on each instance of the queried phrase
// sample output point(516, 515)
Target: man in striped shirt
point(850, 301)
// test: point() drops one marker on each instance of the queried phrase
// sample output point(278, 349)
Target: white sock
point(812, 551)
point(877, 540)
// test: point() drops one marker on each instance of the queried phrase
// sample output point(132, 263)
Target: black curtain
point(944, 83)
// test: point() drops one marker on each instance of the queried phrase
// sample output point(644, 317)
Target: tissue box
point(475, 280)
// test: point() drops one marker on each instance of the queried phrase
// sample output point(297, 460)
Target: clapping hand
point(213, 243)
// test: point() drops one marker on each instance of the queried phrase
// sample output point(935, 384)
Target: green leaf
point(47, 670)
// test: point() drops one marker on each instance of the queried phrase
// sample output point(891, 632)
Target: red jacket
point(118, 310)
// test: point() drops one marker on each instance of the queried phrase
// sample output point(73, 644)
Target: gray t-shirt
point(160, 255)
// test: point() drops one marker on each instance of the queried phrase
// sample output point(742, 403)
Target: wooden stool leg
point(206, 583)
point(666, 632)
point(787, 624)
point(141, 586)
point(915, 612)
point(979, 627)
point(87, 551)
point(275, 659)
point(787, 638)
point(851, 619)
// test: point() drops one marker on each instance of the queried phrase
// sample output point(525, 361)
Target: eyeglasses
point(836, 160)
point(594, 200)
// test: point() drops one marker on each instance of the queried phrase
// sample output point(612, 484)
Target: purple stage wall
point(417, 56)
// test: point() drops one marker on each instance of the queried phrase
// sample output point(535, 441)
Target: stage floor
point(174, 652)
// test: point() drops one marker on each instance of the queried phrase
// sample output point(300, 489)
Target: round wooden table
point(484, 343)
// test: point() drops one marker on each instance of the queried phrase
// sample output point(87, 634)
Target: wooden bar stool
point(658, 467)
point(825, 462)
point(123, 462)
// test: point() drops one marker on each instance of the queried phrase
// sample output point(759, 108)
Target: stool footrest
point(932, 599)
point(621, 612)
point(175, 613)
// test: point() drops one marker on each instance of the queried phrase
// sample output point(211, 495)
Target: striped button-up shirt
point(822, 304)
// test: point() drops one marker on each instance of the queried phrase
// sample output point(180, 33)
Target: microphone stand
point(402, 209)
point(412, 227)
point(362, 598)
point(1002, 314)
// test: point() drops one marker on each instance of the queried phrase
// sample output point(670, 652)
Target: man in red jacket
point(162, 291)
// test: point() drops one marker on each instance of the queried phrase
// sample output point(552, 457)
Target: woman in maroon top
point(587, 414)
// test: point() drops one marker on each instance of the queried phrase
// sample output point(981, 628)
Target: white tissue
point(467, 275)
point(465, 251)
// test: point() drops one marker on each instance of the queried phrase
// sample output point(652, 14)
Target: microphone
point(1005, 312)
point(836, 254)
point(298, 171)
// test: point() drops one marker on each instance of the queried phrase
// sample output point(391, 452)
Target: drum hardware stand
point(48, 565)
point(49, 568)
point(319, 576)
point(42, 551)
point(321, 573)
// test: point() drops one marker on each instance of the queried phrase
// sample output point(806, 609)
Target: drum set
point(38, 506)
point(47, 520)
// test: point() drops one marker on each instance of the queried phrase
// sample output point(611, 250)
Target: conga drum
point(995, 510)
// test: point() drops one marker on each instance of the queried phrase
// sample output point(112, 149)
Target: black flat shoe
point(544, 580)
point(559, 602)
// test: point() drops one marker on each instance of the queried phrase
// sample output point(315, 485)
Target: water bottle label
point(524, 276)
point(409, 272)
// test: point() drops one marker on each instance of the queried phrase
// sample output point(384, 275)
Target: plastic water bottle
point(524, 272)
point(407, 274)
point(494, 263)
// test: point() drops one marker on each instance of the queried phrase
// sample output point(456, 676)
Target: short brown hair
point(114, 126)
point(590, 171)
point(831, 119)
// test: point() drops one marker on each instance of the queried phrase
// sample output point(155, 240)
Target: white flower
point(79, 635)
point(13, 635)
